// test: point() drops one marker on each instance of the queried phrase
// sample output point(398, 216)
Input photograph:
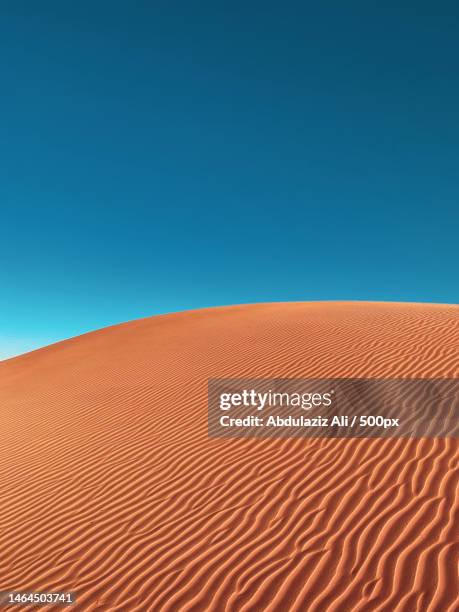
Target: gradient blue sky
point(160, 156)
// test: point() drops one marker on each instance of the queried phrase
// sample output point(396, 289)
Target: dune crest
point(110, 486)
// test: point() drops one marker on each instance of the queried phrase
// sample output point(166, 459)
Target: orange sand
point(110, 486)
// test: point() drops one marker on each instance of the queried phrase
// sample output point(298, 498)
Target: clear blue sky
point(160, 156)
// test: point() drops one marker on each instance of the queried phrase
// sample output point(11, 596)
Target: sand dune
point(110, 486)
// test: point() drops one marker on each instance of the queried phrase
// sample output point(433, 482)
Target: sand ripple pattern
point(109, 485)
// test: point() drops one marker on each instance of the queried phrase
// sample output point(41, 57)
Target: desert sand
point(110, 486)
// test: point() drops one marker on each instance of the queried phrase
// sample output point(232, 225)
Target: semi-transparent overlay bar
point(333, 408)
